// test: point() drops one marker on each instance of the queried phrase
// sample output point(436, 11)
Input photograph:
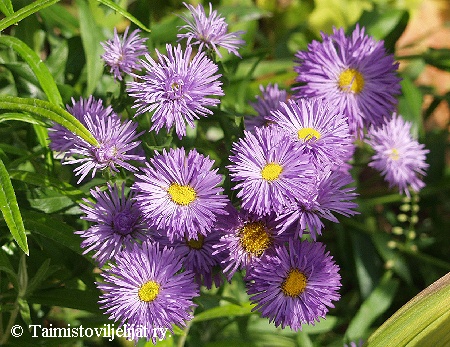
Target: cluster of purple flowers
point(174, 230)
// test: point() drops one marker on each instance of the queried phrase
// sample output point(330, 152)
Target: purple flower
point(354, 74)
point(146, 289)
point(176, 89)
point(321, 132)
point(118, 223)
point(117, 140)
point(264, 105)
point(328, 195)
point(398, 157)
point(180, 193)
point(211, 32)
point(197, 256)
point(122, 53)
point(270, 170)
point(296, 285)
point(245, 237)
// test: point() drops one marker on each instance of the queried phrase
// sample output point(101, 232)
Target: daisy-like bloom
point(197, 256)
point(145, 288)
point(270, 170)
point(327, 195)
point(210, 31)
point(245, 237)
point(399, 158)
point(118, 223)
point(321, 132)
point(122, 53)
point(296, 285)
point(117, 140)
point(354, 74)
point(180, 193)
point(266, 103)
point(176, 89)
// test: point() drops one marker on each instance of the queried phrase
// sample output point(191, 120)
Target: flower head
point(117, 140)
point(398, 157)
point(270, 170)
point(122, 53)
point(146, 288)
point(118, 223)
point(321, 132)
point(180, 193)
point(176, 89)
point(328, 194)
point(354, 74)
point(210, 31)
point(296, 285)
point(264, 105)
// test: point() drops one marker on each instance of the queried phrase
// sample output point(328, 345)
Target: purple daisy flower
point(329, 194)
point(146, 289)
point(117, 140)
point(210, 31)
point(264, 105)
point(354, 74)
point(245, 237)
point(122, 53)
point(118, 223)
point(398, 157)
point(296, 285)
point(180, 193)
point(176, 88)
point(197, 256)
point(270, 170)
point(321, 132)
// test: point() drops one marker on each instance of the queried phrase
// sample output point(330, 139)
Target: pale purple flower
point(269, 169)
point(146, 288)
point(176, 88)
point(399, 157)
point(180, 193)
point(296, 285)
point(117, 223)
point(122, 53)
point(354, 74)
point(210, 31)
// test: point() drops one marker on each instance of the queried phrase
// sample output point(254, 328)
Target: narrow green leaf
point(45, 109)
point(6, 7)
point(224, 311)
point(377, 302)
point(410, 105)
point(64, 297)
point(25, 12)
point(422, 321)
point(439, 58)
point(10, 209)
point(124, 13)
point(22, 117)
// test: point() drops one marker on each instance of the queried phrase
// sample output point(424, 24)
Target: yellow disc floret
point(294, 284)
point(254, 238)
point(394, 155)
point(181, 195)
point(271, 171)
point(148, 291)
point(308, 133)
point(196, 244)
point(351, 80)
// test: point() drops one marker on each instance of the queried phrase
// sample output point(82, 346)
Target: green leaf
point(224, 311)
point(10, 209)
point(22, 117)
point(410, 105)
point(124, 13)
point(91, 36)
point(85, 300)
point(6, 7)
point(439, 58)
point(58, 16)
point(47, 110)
point(25, 12)
point(422, 321)
point(378, 301)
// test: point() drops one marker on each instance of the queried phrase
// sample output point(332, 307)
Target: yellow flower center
point(294, 284)
point(181, 195)
point(394, 154)
point(271, 171)
point(254, 238)
point(351, 80)
point(148, 291)
point(308, 133)
point(196, 244)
